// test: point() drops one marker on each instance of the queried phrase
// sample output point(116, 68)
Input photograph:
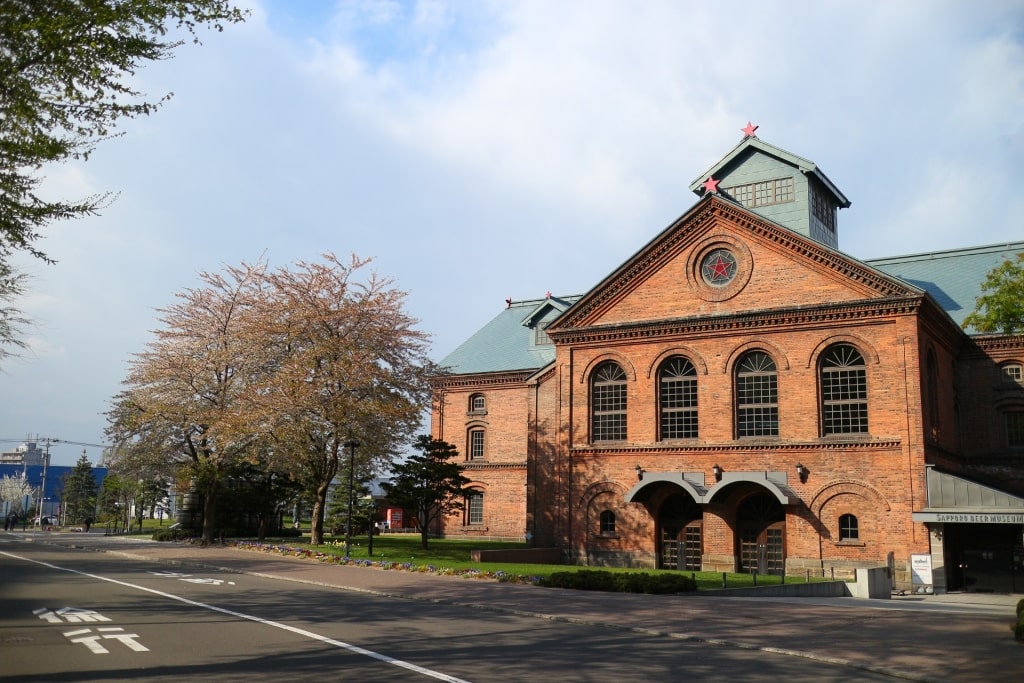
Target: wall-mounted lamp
point(717, 471)
point(639, 473)
point(802, 472)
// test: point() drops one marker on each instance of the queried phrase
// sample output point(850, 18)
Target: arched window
point(1012, 373)
point(757, 396)
point(932, 368)
point(849, 529)
point(475, 508)
point(475, 445)
point(1014, 428)
point(677, 391)
point(608, 403)
point(477, 404)
point(607, 522)
point(844, 391)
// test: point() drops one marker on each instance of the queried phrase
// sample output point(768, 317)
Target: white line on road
point(276, 624)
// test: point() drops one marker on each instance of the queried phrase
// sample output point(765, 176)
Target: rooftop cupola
point(781, 186)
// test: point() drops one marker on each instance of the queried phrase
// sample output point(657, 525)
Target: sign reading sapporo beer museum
point(970, 517)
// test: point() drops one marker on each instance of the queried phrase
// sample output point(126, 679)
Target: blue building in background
point(53, 491)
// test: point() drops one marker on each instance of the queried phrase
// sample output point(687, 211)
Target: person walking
point(88, 523)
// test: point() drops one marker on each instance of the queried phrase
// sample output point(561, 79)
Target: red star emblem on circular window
point(718, 268)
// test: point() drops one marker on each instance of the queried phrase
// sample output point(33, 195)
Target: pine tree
point(428, 483)
point(80, 492)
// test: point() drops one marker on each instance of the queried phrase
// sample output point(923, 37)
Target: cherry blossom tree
point(177, 416)
point(346, 364)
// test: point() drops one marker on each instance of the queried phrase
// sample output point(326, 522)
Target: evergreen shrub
point(1018, 628)
point(621, 582)
point(166, 535)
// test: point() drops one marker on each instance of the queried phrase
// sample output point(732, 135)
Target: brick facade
point(632, 501)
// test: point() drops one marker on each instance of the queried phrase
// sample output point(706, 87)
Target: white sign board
point(921, 570)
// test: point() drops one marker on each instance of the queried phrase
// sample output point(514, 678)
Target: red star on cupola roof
point(711, 185)
point(749, 131)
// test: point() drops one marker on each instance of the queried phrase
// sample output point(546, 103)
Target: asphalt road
point(69, 615)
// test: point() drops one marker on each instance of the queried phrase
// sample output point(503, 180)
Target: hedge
point(621, 582)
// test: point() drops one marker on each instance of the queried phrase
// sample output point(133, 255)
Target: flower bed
point(343, 560)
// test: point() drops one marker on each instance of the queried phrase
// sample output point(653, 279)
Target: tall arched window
point(932, 368)
point(757, 396)
point(844, 391)
point(677, 392)
point(608, 403)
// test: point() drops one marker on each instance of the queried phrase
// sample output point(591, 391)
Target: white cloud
point(491, 149)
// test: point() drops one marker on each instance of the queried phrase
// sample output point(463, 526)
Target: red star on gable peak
point(711, 185)
point(749, 131)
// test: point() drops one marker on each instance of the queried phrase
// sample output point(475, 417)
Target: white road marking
point(267, 622)
point(112, 632)
point(71, 615)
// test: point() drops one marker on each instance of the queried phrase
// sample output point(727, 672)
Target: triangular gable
point(748, 146)
point(541, 311)
point(718, 215)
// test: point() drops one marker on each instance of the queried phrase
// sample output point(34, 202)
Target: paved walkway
point(954, 637)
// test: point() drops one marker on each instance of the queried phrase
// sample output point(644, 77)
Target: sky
point(481, 150)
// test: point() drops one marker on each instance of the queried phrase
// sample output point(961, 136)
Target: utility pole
point(42, 484)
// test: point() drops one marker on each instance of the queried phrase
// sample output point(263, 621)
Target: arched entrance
point(761, 535)
point(680, 533)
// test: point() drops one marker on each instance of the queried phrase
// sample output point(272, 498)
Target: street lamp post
point(351, 445)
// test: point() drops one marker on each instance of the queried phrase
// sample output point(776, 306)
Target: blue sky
point(483, 150)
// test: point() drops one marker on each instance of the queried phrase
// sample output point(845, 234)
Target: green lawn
point(454, 554)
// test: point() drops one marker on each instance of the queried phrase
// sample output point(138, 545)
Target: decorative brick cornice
point(688, 228)
point(545, 376)
point(489, 379)
point(476, 466)
point(656, 252)
point(759, 320)
point(884, 285)
point(988, 343)
point(741, 447)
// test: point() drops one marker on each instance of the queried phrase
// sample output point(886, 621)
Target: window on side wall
point(607, 522)
point(1015, 428)
point(475, 508)
point(1012, 373)
point(849, 529)
point(476, 444)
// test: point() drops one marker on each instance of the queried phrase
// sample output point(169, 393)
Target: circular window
point(718, 268)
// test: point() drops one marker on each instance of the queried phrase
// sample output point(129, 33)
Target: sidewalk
point(954, 637)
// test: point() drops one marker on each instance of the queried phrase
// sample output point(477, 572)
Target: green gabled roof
point(954, 277)
point(506, 343)
point(805, 166)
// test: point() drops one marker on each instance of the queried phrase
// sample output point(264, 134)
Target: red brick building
point(739, 395)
